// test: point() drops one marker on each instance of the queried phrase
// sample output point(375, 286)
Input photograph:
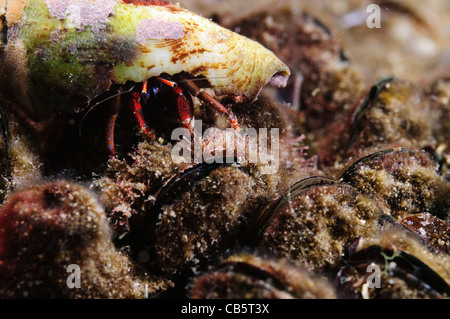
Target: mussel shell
point(320, 24)
point(142, 227)
point(407, 181)
point(169, 234)
point(313, 221)
point(183, 182)
point(293, 191)
point(249, 276)
point(419, 279)
point(394, 112)
point(252, 275)
point(376, 89)
point(351, 171)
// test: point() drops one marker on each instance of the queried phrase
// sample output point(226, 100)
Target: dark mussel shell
point(196, 215)
point(392, 113)
point(407, 181)
point(282, 200)
point(374, 92)
point(247, 276)
point(314, 221)
point(401, 275)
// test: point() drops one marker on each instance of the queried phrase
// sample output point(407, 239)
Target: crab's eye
point(156, 91)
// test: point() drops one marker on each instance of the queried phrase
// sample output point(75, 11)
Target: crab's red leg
point(195, 91)
point(184, 103)
point(207, 98)
point(111, 124)
point(145, 88)
point(110, 134)
point(136, 108)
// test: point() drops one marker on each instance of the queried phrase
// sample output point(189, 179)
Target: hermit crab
point(71, 55)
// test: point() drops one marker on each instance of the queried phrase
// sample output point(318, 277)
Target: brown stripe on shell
point(199, 70)
point(184, 55)
point(234, 66)
point(160, 3)
point(172, 43)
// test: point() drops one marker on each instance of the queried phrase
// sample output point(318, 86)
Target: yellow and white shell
point(60, 54)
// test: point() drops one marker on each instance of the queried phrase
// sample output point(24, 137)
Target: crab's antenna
point(100, 102)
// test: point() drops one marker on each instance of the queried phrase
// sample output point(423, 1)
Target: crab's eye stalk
point(156, 91)
point(145, 97)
